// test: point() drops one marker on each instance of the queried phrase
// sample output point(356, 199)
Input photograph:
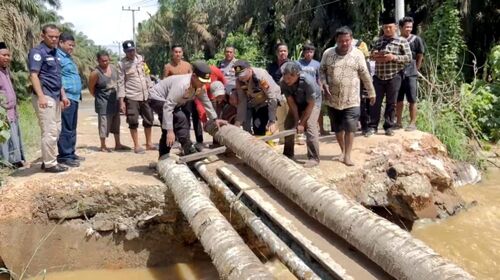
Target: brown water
point(180, 271)
point(472, 238)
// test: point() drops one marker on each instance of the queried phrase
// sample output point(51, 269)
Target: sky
point(104, 21)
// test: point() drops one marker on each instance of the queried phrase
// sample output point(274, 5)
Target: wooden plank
point(201, 155)
point(278, 135)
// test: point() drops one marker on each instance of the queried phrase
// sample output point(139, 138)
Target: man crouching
point(303, 96)
point(175, 91)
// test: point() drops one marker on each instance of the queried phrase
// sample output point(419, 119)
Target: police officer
point(303, 95)
point(45, 76)
point(258, 92)
point(175, 91)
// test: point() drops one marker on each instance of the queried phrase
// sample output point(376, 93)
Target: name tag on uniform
point(49, 58)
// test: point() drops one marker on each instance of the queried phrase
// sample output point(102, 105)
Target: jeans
point(67, 139)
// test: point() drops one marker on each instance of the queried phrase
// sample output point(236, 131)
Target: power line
point(133, 18)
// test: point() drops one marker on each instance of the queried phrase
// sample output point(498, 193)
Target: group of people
point(349, 84)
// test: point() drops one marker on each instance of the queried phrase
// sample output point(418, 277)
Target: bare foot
point(122, 148)
point(105, 149)
point(151, 147)
point(338, 157)
point(348, 162)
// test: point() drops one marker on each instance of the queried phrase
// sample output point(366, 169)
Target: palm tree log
point(392, 248)
point(276, 245)
point(230, 255)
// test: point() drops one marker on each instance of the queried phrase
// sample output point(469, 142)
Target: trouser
point(181, 130)
point(49, 120)
point(260, 118)
point(191, 113)
point(311, 132)
point(388, 89)
point(157, 107)
point(364, 117)
point(67, 139)
point(281, 113)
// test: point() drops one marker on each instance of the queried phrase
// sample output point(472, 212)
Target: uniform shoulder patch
point(37, 57)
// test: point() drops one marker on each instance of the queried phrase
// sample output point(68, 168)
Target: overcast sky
point(103, 21)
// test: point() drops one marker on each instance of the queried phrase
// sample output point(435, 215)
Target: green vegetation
point(460, 84)
point(30, 131)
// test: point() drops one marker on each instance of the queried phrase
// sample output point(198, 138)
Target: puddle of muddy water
point(179, 271)
point(471, 238)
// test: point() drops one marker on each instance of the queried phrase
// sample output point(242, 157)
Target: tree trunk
point(392, 248)
point(230, 255)
point(278, 247)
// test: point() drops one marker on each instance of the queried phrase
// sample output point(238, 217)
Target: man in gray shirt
point(303, 95)
point(174, 92)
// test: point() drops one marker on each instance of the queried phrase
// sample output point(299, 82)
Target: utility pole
point(133, 18)
point(119, 48)
point(400, 10)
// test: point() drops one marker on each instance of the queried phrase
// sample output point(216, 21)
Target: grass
point(30, 130)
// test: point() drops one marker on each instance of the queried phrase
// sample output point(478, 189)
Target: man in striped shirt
point(391, 54)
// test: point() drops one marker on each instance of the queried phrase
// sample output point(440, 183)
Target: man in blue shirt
point(49, 97)
point(72, 85)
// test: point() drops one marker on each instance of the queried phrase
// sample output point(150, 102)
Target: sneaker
point(190, 150)
point(398, 126)
point(369, 132)
point(70, 163)
point(311, 163)
point(389, 132)
point(56, 169)
point(199, 146)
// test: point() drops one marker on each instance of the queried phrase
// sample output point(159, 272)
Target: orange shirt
point(180, 68)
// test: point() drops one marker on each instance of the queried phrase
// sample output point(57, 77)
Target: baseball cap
point(217, 88)
point(128, 45)
point(3, 45)
point(202, 70)
point(240, 66)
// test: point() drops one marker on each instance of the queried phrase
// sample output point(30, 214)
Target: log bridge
point(315, 231)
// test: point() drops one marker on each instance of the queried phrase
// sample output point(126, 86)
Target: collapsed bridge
point(316, 231)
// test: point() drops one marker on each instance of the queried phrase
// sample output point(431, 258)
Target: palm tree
point(20, 22)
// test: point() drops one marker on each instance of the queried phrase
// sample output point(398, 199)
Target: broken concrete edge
point(231, 256)
point(274, 243)
point(393, 249)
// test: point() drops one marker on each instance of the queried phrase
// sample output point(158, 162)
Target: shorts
point(108, 124)
point(136, 109)
point(409, 89)
point(344, 120)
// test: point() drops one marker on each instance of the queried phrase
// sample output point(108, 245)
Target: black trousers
point(388, 89)
point(364, 117)
point(260, 117)
point(181, 130)
point(191, 113)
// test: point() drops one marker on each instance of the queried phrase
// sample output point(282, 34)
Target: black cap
point(202, 70)
point(3, 45)
point(240, 66)
point(388, 18)
point(128, 45)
